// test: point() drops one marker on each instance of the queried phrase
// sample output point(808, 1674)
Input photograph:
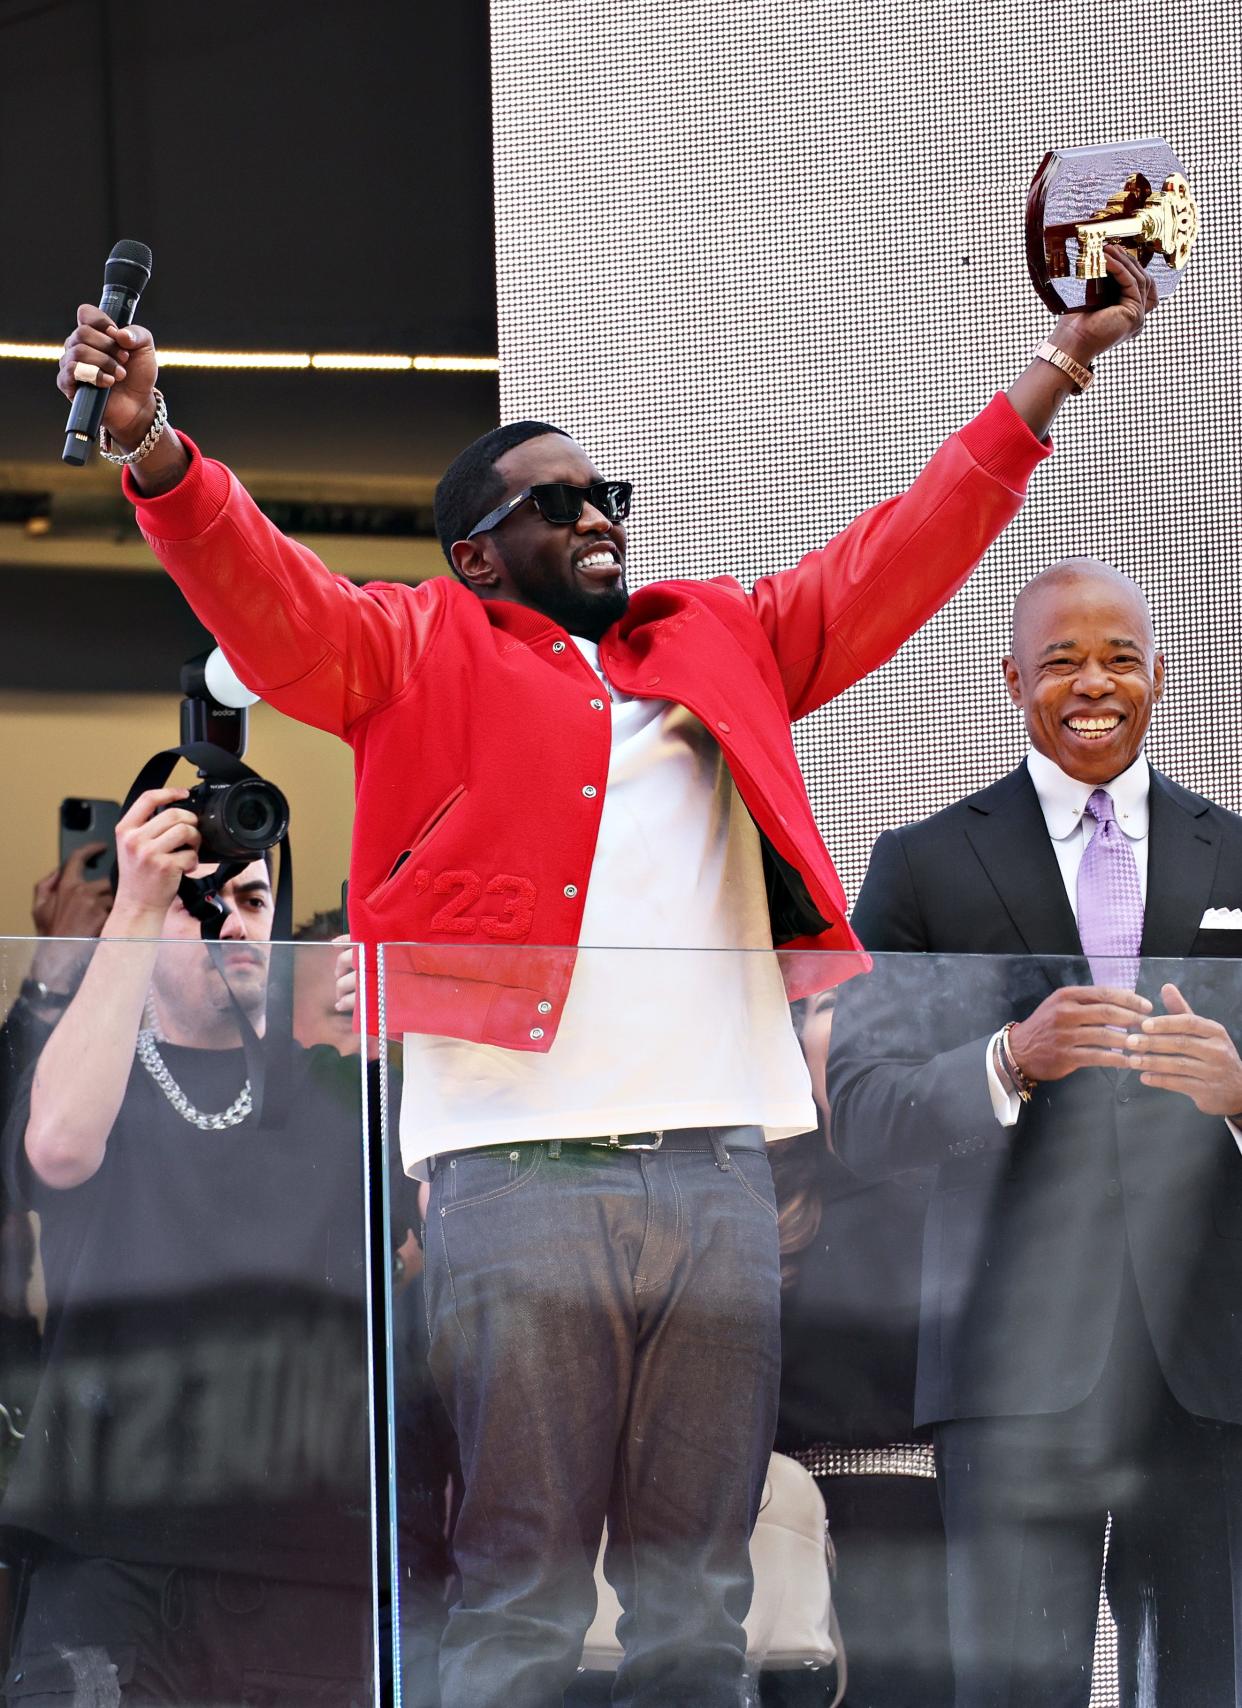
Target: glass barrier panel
point(186, 1410)
point(701, 1252)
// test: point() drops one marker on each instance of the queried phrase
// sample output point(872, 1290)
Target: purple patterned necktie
point(1110, 901)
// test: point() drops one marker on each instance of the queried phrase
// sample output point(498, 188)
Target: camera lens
point(254, 815)
point(238, 821)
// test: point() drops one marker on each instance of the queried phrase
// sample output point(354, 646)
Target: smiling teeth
point(1093, 726)
point(596, 559)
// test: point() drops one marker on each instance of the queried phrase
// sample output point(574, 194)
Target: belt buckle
point(659, 1140)
point(613, 1142)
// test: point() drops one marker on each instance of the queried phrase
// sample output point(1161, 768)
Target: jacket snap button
point(653, 681)
point(536, 1032)
point(571, 890)
point(545, 1008)
point(597, 705)
point(590, 791)
point(724, 728)
point(558, 646)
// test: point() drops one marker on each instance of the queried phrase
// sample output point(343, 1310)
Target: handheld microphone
point(125, 278)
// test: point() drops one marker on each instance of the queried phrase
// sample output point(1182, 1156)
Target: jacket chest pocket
point(1217, 944)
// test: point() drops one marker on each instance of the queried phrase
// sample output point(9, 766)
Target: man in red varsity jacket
point(547, 765)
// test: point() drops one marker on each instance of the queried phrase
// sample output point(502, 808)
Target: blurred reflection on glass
point(69, 906)
point(191, 1503)
point(850, 1258)
point(317, 1019)
point(1079, 1348)
point(428, 1487)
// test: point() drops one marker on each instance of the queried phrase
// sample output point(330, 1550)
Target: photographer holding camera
point(191, 1493)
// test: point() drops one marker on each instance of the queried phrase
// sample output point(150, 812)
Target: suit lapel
point(1008, 833)
point(1182, 851)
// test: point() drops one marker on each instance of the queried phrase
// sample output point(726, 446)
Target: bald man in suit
point(1081, 1319)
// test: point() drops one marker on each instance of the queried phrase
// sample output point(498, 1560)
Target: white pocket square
point(1221, 919)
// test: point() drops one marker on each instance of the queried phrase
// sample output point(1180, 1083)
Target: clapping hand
point(1077, 1026)
point(1186, 1052)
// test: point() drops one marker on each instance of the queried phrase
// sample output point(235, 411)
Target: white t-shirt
point(676, 1014)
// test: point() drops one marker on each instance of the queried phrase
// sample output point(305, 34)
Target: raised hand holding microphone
point(126, 275)
point(126, 369)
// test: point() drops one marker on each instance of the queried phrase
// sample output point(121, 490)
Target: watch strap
point(1081, 375)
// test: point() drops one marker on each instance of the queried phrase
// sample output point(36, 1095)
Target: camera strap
point(268, 1059)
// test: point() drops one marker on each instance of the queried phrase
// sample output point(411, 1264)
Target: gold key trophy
point(1082, 198)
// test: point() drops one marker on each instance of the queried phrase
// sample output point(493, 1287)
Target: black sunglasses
point(561, 504)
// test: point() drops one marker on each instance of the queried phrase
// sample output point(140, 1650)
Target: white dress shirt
point(1063, 802)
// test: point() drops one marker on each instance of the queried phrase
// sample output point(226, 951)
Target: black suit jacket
point(1029, 1226)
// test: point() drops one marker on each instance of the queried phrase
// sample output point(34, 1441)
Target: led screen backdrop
point(761, 260)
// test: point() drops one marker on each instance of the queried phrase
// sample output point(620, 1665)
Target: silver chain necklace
point(155, 1065)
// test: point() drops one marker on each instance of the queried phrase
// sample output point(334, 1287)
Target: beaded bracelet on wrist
point(1023, 1083)
point(1002, 1067)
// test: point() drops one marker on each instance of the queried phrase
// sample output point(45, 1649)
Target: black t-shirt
point(204, 1393)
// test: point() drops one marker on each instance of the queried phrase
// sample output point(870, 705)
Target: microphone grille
point(129, 265)
point(128, 250)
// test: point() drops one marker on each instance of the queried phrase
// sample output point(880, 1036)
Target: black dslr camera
point(239, 818)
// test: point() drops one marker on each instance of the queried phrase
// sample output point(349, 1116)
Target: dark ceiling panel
point(385, 424)
point(314, 177)
point(53, 202)
point(93, 632)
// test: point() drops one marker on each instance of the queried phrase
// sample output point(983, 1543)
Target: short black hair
point(321, 927)
point(470, 486)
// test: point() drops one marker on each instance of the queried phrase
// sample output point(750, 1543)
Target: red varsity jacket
point(480, 760)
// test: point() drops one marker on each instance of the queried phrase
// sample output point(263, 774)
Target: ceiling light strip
point(31, 352)
point(275, 359)
point(282, 360)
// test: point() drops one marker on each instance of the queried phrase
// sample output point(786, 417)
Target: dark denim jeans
point(605, 1334)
